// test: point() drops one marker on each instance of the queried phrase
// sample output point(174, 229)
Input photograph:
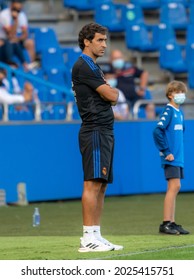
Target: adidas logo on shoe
point(93, 246)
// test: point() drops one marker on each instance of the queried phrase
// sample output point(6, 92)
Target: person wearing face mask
point(127, 74)
point(121, 109)
point(14, 35)
point(168, 137)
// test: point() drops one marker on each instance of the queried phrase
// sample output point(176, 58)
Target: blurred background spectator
point(127, 75)
point(14, 36)
point(121, 109)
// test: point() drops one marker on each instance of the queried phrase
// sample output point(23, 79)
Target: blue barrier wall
point(46, 157)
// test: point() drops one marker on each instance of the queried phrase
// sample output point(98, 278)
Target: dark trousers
point(9, 50)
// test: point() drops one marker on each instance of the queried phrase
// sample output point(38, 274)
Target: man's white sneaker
point(93, 246)
point(106, 242)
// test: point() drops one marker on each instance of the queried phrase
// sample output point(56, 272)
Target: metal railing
point(38, 109)
point(143, 102)
point(32, 78)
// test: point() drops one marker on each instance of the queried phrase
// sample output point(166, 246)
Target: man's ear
point(86, 42)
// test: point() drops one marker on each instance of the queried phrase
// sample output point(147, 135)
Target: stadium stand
point(81, 5)
point(109, 15)
point(55, 33)
point(184, 2)
point(71, 54)
point(147, 4)
point(132, 14)
point(191, 12)
point(191, 77)
point(138, 38)
point(146, 39)
point(45, 38)
point(172, 58)
point(53, 155)
point(174, 13)
point(163, 34)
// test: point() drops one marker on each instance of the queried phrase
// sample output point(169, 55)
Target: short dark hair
point(17, 1)
point(88, 32)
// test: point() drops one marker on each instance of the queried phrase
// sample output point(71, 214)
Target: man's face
point(16, 7)
point(97, 46)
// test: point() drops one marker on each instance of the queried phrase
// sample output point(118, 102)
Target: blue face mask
point(118, 63)
point(179, 98)
point(112, 82)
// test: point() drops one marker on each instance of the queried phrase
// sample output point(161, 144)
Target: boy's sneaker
point(180, 229)
point(93, 246)
point(106, 242)
point(168, 229)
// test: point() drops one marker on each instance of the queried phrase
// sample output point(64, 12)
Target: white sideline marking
point(146, 251)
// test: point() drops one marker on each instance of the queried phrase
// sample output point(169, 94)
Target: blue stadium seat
point(163, 34)
point(81, 5)
point(137, 38)
point(52, 58)
point(172, 59)
point(59, 77)
point(191, 12)
point(174, 14)
point(190, 54)
point(42, 92)
point(75, 113)
point(24, 114)
point(59, 112)
point(54, 95)
point(132, 14)
point(147, 4)
point(71, 54)
point(184, 2)
point(53, 112)
point(142, 112)
point(109, 15)
point(190, 44)
point(191, 77)
point(45, 38)
point(69, 3)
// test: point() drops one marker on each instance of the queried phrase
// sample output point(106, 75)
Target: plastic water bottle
point(36, 217)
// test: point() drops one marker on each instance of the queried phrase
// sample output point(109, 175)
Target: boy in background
point(168, 137)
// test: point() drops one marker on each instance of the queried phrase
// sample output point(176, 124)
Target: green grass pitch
point(132, 221)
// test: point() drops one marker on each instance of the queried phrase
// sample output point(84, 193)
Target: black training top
point(94, 111)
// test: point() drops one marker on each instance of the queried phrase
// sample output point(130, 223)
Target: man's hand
point(14, 15)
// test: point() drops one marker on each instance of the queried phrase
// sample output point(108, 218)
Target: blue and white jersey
point(168, 136)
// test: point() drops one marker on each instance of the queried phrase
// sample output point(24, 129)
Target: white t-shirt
point(122, 107)
point(6, 21)
point(15, 84)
